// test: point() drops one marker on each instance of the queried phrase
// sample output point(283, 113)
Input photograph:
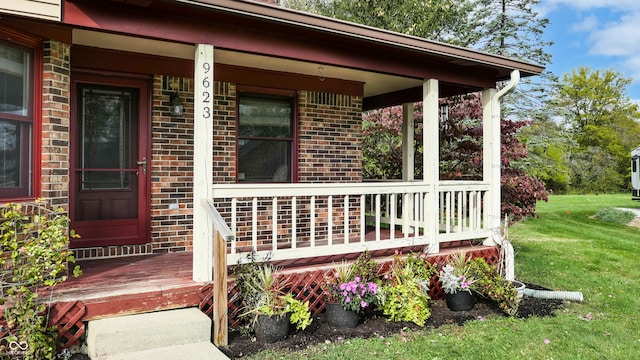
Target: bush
point(615, 216)
point(404, 293)
point(34, 243)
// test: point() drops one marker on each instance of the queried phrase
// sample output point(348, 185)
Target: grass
point(565, 248)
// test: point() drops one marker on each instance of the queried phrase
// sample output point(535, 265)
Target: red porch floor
point(132, 284)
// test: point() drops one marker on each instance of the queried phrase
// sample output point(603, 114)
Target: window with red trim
point(16, 120)
point(265, 137)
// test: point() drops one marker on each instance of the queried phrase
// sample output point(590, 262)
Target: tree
point(434, 19)
point(513, 28)
point(602, 121)
point(548, 147)
point(460, 151)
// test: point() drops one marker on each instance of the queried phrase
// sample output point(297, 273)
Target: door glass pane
point(265, 116)
point(14, 80)
point(106, 139)
point(264, 160)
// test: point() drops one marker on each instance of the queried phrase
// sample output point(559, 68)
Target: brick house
point(139, 116)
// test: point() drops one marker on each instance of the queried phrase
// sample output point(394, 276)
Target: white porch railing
point(287, 221)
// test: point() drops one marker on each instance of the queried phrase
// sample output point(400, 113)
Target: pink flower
point(547, 341)
point(343, 286)
point(347, 300)
point(373, 288)
point(363, 304)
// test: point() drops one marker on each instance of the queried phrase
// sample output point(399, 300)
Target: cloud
point(626, 5)
point(617, 38)
point(587, 24)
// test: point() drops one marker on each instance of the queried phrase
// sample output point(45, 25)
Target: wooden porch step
point(172, 334)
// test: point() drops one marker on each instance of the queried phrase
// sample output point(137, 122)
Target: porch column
point(408, 159)
point(202, 162)
point(408, 143)
point(491, 161)
point(431, 159)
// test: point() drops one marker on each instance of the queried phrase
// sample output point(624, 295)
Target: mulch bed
point(375, 326)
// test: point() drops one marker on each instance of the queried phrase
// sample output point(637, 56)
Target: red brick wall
point(171, 167)
point(55, 123)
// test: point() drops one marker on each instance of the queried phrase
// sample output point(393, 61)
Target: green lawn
point(565, 249)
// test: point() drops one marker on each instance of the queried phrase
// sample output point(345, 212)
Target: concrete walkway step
point(194, 351)
point(152, 335)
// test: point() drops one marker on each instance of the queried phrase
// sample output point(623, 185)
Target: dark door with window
point(109, 163)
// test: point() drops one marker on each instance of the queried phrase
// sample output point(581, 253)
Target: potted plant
point(458, 282)
point(404, 294)
point(347, 295)
point(272, 309)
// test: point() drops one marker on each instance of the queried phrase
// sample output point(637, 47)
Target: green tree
point(548, 147)
point(602, 120)
point(513, 28)
point(433, 19)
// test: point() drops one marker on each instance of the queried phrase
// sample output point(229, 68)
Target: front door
point(110, 162)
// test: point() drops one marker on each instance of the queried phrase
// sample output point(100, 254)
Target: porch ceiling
point(260, 36)
point(374, 83)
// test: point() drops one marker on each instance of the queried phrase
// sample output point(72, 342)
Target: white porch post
point(408, 144)
point(431, 159)
point(202, 162)
point(408, 160)
point(491, 161)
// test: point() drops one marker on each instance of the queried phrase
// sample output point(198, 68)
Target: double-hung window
point(16, 121)
point(266, 135)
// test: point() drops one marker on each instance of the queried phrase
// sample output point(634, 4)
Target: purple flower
point(357, 279)
point(373, 288)
point(347, 300)
point(343, 286)
point(363, 304)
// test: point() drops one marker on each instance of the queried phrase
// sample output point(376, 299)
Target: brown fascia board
point(502, 65)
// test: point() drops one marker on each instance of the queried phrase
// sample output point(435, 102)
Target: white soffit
point(375, 83)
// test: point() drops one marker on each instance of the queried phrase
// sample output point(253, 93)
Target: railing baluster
point(294, 219)
point(392, 226)
point(378, 200)
point(405, 214)
point(346, 219)
point(459, 209)
point(254, 225)
point(472, 210)
point(274, 223)
point(313, 221)
point(479, 210)
point(449, 212)
point(416, 214)
point(363, 219)
point(330, 220)
point(234, 223)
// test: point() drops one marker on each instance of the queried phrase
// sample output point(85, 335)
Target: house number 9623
point(206, 94)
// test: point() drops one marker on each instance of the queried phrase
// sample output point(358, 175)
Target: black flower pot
point(339, 317)
point(271, 328)
point(461, 301)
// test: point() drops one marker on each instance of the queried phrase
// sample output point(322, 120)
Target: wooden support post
point(220, 300)
point(202, 162)
point(431, 159)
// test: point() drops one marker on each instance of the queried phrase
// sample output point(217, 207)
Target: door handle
point(143, 162)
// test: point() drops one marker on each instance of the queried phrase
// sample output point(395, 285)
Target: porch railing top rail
point(325, 189)
point(218, 222)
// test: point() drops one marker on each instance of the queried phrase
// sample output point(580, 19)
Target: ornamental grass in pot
point(270, 307)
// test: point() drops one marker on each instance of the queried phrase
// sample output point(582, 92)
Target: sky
point(600, 34)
